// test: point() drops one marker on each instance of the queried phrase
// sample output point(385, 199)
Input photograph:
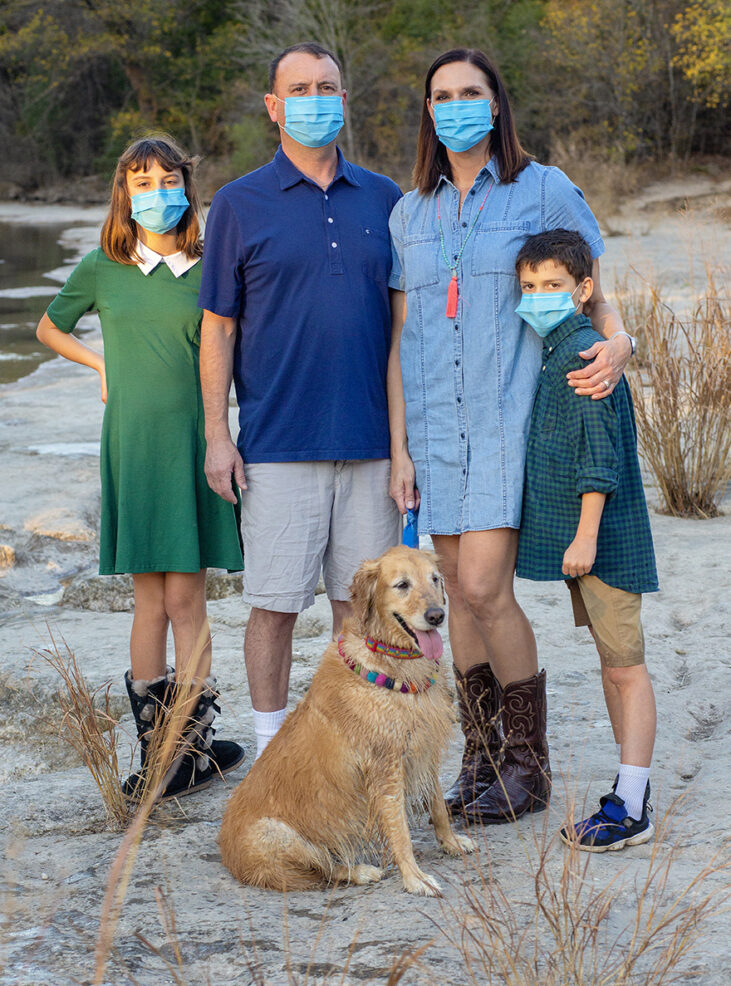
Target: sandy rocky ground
point(57, 852)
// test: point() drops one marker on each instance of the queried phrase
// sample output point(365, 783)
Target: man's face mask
point(313, 121)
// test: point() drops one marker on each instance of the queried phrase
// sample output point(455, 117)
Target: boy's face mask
point(160, 210)
point(544, 310)
point(313, 121)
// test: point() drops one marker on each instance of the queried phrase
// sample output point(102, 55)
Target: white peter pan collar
point(178, 262)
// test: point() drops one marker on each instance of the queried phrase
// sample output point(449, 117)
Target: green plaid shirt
point(575, 446)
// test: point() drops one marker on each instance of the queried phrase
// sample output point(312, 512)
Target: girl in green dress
point(160, 520)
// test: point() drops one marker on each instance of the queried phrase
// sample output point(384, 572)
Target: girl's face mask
point(161, 210)
point(544, 310)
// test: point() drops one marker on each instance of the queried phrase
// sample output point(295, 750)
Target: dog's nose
point(435, 616)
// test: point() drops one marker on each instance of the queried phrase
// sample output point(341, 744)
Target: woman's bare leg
point(466, 639)
point(487, 609)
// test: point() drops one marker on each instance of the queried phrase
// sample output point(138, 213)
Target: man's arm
point(610, 357)
point(218, 337)
point(579, 557)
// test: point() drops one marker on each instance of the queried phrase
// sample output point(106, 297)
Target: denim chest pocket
point(376, 247)
point(496, 246)
point(421, 261)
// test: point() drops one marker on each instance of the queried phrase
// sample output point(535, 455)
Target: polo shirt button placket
point(333, 247)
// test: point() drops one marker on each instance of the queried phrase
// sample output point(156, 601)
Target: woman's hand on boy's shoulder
point(608, 360)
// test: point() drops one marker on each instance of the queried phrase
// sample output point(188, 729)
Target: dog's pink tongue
point(430, 643)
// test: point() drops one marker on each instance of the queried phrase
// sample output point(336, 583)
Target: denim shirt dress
point(469, 382)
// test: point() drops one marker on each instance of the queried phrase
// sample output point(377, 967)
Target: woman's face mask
point(161, 210)
point(544, 310)
point(313, 121)
point(462, 123)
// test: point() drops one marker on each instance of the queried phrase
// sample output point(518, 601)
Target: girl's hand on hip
point(223, 462)
point(599, 379)
point(402, 486)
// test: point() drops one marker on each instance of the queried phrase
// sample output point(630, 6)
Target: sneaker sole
point(634, 840)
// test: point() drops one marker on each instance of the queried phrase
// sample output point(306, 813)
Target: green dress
point(158, 512)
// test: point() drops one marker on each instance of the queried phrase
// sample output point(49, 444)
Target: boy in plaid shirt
point(585, 520)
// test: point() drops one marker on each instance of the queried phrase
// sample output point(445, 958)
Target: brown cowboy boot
point(478, 692)
point(524, 783)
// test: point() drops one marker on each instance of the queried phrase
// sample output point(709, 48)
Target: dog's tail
point(273, 855)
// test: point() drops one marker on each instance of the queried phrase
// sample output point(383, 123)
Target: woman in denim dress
point(462, 375)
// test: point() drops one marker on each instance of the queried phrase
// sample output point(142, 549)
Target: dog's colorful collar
point(401, 653)
point(382, 680)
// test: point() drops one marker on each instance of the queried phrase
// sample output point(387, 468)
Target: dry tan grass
point(565, 933)
point(683, 398)
point(167, 744)
point(91, 729)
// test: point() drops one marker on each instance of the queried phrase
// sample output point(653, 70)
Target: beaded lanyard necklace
point(453, 290)
point(382, 680)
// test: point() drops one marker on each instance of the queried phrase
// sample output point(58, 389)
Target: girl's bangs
point(149, 152)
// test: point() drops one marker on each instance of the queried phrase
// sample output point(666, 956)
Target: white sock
point(266, 725)
point(631, 788)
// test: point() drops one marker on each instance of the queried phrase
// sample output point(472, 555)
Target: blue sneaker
point(611, 828)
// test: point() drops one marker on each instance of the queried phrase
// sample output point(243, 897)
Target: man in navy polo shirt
point(296, 310)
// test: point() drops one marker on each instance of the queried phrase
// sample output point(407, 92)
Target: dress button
point(464, 472)
point(472, 191)
point(465, 225)
point(326, 196)
point(543, 368)
point(461, 434)
point(550, 349)
point(330, 219)
point(459, 400)
point(456, 362)
point(334, 244)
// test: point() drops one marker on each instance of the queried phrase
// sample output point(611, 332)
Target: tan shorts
point(614, 616)
point(300, 517)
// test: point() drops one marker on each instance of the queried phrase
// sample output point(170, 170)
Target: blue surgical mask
point(544, 310)
point(313, 121)
point(160, 210)
point(462, 123)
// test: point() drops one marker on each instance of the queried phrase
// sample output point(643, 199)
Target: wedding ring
point(606, 384)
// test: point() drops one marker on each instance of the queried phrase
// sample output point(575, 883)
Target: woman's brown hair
point(431, 155)
point(119, 233)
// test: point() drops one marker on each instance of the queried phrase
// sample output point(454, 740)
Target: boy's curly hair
point(563, 246)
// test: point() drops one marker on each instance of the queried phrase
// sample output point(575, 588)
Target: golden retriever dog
point(361, 749)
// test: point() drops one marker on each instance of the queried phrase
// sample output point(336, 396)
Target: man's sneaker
point(611, 828)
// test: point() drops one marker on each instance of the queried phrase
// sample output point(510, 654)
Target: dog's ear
point(363, 592)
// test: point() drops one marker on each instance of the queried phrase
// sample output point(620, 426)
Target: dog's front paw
point(363, 874)
point(457, 844)
point(422, 884)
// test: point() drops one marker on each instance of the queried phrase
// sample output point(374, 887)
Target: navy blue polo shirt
point(305, 272)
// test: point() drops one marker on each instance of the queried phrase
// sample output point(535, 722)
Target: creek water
point(27, 255)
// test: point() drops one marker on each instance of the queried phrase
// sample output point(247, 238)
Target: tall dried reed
point(683, 399)
point(91, 729)
point(170, 741)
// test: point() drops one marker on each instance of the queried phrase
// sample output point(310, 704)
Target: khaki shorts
point(301, 517)
point(614, 616)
